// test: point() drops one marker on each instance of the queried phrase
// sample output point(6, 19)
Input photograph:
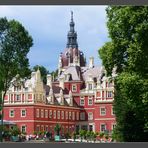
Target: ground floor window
point(84, 127)
point(90, 127)
point(23, 129)
point(103, 127)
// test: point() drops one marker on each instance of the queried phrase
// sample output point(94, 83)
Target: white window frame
point(18, 98)
point(37, 113)
point(23, 126)
point(66, 114)
point(112, 111)
point(77, 115)
point(82, 99)
point(58, 114)
point(54, 114)
point(90, 84)
point(101, 113)
point(10, 113)
point(70, 116)
point(62, 114)
point(46, 113)
point(50, 114)
point(101, 127)
point(73, 115)
point(82, 116)
point(109, 94)
point(90, 115)
point(42, 113)
point(22, 113)
point(90, 98)
point(74, 87)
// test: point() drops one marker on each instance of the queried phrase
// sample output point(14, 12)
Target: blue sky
point(48, 25)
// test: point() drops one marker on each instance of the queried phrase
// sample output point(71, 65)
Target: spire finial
point(71, 15)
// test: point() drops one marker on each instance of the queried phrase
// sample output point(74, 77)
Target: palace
point(81, 97)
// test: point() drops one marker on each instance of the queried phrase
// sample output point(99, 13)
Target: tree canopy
point(127, 52)
point(15, 43)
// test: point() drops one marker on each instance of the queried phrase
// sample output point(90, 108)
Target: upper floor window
point(66, 115)
point(54, 114)
point(62, 114)
point(18, 97)
point(74, 87)
point(42, 113)
point(23, 113)
point(46, 113)
point(77, 115)
point(70, 115)
point(113, 126)
point(37, 113)
point(90, 101)
point(113, 111)
point(82, 101)
point(11, 113)
point(82, 116)
point(109, 94)
point(102, 111)
point(90, 116)
point(73, 115)
point(90, 86)
point(50, 114)
point(58, 115)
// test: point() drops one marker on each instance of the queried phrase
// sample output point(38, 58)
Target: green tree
point(15, 43)
point(54, 74)
point(57, 129)
point(127, 54)
point(43, 71)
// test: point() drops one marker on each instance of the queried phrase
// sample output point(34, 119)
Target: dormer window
point(74, 88)
point(90, 86)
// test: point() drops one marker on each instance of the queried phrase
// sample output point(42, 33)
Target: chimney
point(91, 62)
point(61, 83)
point(49, 80)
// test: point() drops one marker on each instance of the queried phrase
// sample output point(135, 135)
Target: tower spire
point(72, 35)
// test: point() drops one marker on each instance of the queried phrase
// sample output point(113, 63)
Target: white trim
point(101, 125)
point(82, 98)
point(104, 119)
point(90, 98)
point(74, 85)
point(90, 114)
point(22, 111)
point(10, 113)
point(104, 111)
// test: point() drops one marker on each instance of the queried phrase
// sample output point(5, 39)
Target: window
point(54, 114)
point(102, 127)
point(38, 128)
point(73, 115)
point(82, 101)
point(58, 114)
point(113, 126)
point(42, 113)
point(11, 113)
point(46, 113)
point(37, 113)
point(62, 114)
point(46, 128)
point(23, 113)
point(74, 87)
point(82, 116)
point(109, 94)
point(90, 101)
point(50, 114)
point(23, 129)
point(70, 115)
point(110, 84)
point(77, 115)
point(90, 86)
point(113, 111)
point(18, 97)
point(90, 116)
point(66, 115)
point(102, 111)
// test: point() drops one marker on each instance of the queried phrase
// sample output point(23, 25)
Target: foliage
point(57, 129)
point(54, 74)
point(15, 43)
point(15, 131)
point(43, 71)
point(127, 53)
